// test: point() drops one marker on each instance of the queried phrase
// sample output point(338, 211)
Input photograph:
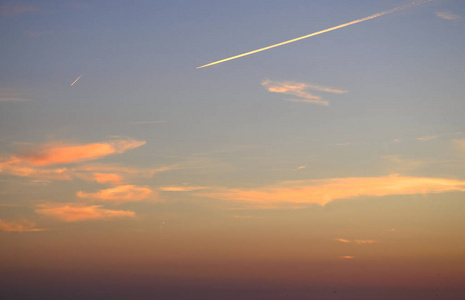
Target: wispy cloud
point(19, 226)
point(364, 242)
point(36, 33)
point(95, 172)
point(427, 138)
point(447, 15)
point(147, 122)
point(182, 188)
point(399, 164)
point(79, 5)
point(244, 217)
point(323, 191)
point(119, 194)
point(299, 90)
point(94, 168)
point(358, 242)
point(113, 173)
point(78, 212)
point(12, 10)
point(8, 95)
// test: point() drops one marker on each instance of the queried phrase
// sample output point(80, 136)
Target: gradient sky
point(332, 167)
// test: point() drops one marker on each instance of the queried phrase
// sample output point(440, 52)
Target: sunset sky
point(332, 167)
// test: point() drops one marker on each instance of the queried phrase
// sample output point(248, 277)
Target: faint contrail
point(75, 80)
point(320, 32)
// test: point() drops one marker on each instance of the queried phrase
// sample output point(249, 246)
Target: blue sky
point(346, 146)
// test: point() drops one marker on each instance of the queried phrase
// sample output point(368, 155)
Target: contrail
point(75, 80)
point(322, 31)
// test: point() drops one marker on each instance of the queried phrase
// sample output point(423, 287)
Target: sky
point(332, 167)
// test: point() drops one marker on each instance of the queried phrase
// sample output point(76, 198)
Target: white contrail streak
point(75, 80)
point(322, 31)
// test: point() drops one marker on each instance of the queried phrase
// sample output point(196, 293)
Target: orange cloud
point(78, 212)
point(37, 162)
point(324, 191)
point(22, 226)
point(58, 153)
point(108, 178)
point(122, 193)
point(343, 240)
point(28, 171)
point(298, 90)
